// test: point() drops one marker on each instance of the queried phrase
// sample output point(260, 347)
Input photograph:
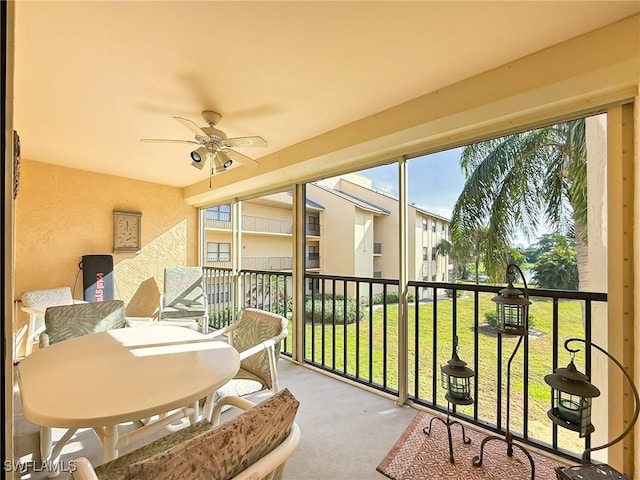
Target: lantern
point(456, 379)
point(571, 394)
point(512, 307)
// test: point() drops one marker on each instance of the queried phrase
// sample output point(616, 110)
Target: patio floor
point(345, 430)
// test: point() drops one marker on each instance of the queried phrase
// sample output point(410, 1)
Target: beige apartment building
point(351, 230)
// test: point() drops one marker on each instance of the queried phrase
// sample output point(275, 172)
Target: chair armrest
point(266, 345)
point(33, 310)
point(83, 470)
point(229, 400)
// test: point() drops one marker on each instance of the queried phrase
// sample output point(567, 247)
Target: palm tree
point(520, 182)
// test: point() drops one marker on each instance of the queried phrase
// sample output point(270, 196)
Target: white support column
point(620, 213)
point(236, 255)
point(299, 241)
point(403, 321)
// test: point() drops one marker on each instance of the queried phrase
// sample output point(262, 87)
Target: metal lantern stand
point(513, 319)
point(571, 394)
point(456, 378)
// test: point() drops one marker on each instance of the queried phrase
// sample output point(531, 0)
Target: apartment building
point(352, 230)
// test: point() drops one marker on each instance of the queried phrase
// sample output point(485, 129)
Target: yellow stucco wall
point(64, 213)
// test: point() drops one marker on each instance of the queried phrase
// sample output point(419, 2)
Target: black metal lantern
point(456, 379)
point(571, 394)
point(512, 307)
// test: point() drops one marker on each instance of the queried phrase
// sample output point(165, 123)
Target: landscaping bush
point(491, 317)
point(449, 292)
point(392, 297)
point(329, 313)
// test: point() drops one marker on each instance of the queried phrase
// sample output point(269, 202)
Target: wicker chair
point(184, 298)
point(257, 335)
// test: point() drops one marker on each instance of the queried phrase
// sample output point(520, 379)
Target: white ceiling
point(92, 78)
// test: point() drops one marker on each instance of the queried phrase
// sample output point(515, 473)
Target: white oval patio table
point(103, 379)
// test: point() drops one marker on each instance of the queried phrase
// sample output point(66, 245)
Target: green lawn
point(540, 355)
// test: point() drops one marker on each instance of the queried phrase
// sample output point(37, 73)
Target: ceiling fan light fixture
point(222, 162)
point(198, 157)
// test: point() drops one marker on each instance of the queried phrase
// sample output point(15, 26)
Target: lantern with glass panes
point(512, 306)
point(571, 394)
point(456, 379)
point(571, 397)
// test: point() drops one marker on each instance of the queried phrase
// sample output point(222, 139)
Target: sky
point(434, 181)
point(434, 184)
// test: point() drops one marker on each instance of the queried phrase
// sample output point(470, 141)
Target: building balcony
point(263, 225)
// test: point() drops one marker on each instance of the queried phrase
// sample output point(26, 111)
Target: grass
point(366, 358)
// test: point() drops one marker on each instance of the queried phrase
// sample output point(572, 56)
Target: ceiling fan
point(213, 144)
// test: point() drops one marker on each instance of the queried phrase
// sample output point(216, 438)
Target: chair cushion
point(117, 469)
point(42, 299)
point(227, 450)
point(183, 286)
point(255, 326)
point(69, 321)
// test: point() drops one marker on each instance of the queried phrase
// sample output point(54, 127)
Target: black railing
point(313, 229)
point(351, 329)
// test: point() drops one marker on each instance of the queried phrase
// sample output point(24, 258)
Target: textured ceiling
point(92, 78)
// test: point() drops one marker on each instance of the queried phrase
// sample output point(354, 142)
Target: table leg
point(45, 443)
point(109, 442)
point(193, 418)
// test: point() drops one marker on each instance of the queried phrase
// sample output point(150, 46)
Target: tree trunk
point(583, 258)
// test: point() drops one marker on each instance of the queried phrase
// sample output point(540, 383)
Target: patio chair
point(252, 445)
point(35, 302)
point(69, 321)
point(184, 299)
point(257, 335)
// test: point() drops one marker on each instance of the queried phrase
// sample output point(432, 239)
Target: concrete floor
point(345, 430)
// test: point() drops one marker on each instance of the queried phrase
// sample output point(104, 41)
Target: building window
point(444, 228)
point(433, 277)
point(433, 254)
point(221, 212)
point(433, 226)
point(424, 254)
point(314, 252)
point(313, 225)
point(425, 224)
point(218, 252)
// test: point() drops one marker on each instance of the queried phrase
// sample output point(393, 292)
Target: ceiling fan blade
point(191, 125)
point(246, 142)
point(241, 159)
point(165, 140)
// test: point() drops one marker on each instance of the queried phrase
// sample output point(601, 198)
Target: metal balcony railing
point(313, 229)
point(255, 224)
point(351, 330)
point(257, 263)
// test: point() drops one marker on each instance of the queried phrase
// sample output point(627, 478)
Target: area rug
point(417, 456)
